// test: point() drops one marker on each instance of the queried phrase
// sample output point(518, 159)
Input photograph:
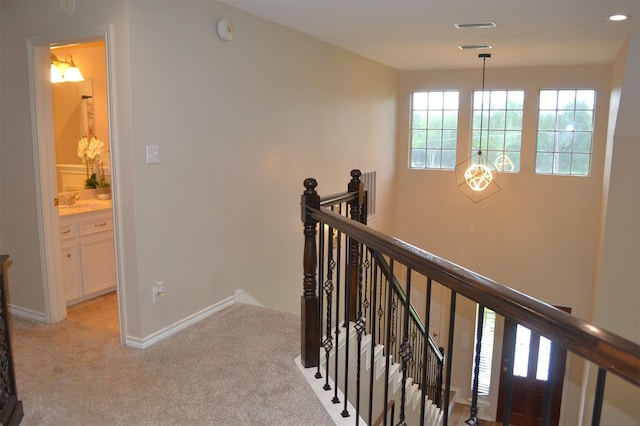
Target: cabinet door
point(98, 265)
point(71, 272)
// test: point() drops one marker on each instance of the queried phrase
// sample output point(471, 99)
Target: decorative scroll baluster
point(335, 398)
point(310, 341)
point(473, 412)
point(372, 358)
point(321, 254)
point(389, 328)
point(360, 329)
point(406, 350)
point(511, 353)
point(328, 288)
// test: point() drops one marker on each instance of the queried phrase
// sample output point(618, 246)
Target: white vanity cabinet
point(88, 259)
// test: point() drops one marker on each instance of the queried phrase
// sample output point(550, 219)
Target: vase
point(103, 193)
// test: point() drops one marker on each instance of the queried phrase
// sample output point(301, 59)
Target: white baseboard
point(244, 297)
point(240, 296)
point(19, 311)
point(145, 342)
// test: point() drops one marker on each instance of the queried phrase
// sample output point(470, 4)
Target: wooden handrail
point(608, 350)
point(384, 266)
point(380, 419)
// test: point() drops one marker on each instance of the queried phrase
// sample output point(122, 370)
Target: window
point(501, 127)
point(434, 130)
point(486, 351)
point(565, 125)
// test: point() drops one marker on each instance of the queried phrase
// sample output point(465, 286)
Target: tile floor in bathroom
point(99, 313)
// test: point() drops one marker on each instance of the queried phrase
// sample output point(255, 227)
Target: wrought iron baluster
point(321, 254)
point(336, 358)
point(599, 397)
point(328, 288)
point(372, 360)
point(348, 283)
point(389, 331)
point(425, 352)
point(359, 326)
point(447, 389)
point(506, 417)
point(473, 411)
point(406, 350)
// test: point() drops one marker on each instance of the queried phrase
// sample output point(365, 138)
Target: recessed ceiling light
point(476, 25)
point(474, 46)
point(618, 17)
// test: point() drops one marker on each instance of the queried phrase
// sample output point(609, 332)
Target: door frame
point(39, 63)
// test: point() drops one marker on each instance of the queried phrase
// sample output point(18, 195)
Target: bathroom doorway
point(55, 295)
point(83, 164)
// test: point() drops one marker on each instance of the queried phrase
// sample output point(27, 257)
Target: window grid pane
point(434, 130)
point(501, 127)
point(544, 355)
point(565, 132)
point(521, 358)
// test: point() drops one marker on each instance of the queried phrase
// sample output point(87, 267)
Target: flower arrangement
point(90, 149)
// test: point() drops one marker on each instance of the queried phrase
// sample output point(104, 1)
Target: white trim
point(46, 186)
point(21, 312)
point(244, 297)
point(38, 57)
point(145, 342)
point(325, 397)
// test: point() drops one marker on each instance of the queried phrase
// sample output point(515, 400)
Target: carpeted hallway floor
point(234, 368)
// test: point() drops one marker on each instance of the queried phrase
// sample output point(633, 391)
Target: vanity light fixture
point(64, 71)
point(477, 176)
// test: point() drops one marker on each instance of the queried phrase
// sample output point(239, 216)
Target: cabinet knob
point(435, 334)
point(68, 254)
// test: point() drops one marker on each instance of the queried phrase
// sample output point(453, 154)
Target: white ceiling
point(419, 34)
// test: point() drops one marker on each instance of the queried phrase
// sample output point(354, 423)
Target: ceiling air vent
point(474, 46)
point(476, 25)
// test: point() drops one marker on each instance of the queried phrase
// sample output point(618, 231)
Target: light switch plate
point(153, 154)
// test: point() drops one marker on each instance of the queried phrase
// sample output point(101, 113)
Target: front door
point(538, 364)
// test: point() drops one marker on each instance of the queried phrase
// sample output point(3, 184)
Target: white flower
point(90, 149)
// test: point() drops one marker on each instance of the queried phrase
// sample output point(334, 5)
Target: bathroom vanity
point(88, 258)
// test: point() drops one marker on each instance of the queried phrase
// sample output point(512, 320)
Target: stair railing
point(358, 284)
point(350, 299)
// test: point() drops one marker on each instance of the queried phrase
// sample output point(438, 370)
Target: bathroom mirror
point(73, 119)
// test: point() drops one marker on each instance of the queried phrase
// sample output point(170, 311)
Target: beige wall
point(240, 125)
point(19, 209)
point(538, 235)
point(617, 289)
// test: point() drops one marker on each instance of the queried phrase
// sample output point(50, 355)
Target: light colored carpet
point(234, 368)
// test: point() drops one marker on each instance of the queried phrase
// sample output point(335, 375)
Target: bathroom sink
point(84, 206)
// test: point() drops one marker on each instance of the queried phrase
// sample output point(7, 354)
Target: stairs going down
point(361, 397)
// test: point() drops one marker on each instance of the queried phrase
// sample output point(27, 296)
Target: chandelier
point(477, 176)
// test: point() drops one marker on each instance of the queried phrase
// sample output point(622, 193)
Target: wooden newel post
point(355, 185)
point(309, 308)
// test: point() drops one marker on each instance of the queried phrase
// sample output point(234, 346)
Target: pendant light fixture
point(477, 177)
